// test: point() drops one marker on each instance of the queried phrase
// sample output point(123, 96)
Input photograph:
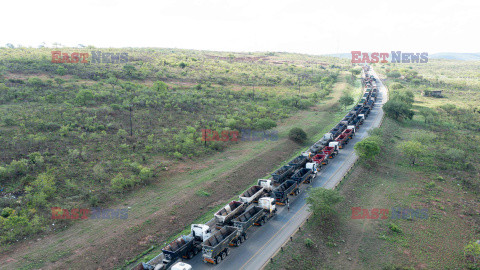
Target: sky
point(312, 27)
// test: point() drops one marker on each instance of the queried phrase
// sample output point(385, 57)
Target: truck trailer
point(229, 212)
point(216, 248)
point(283, 173)
point(252, 194)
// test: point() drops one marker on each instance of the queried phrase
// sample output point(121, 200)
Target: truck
point(216, 248)
point(350, 132)
point(185, 246)
point(181, 266)
point(342, 140)
point(283, 173)
point(349, 117)
point(281, 193)
point(256, 215)
point(319, 145)
point(365, 111)
point(298, 162)
point(321, 159)
point(359, 120)
point(315, 167)
point(229, 212)
point(332, 150)
point(338, 129)
point(302, 175)
point(356, 109)
point(252, 194)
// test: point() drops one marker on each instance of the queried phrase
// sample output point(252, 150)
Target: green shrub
point(9, 122)
point(297, 134)
point(119, 183)
point(394, 228)
point(309, 243)
point(145, 173)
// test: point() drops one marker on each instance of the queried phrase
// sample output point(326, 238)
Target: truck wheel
point(236, 243)
point(262, 222)
point(218, 260)
point(224, 255)
point(195, 251)
point(190, 254)
point(241, 239)
point(227, 251)
point(245, 237)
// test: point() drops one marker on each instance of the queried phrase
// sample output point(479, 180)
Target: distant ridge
point(443, 55)
point(456, 56)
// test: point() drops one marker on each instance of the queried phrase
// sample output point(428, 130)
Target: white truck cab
point(313, 166)
point(267, 203)
point(201, 231)
point(265, 183)
point(181, 266)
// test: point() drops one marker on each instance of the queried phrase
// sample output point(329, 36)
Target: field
point(129, 136)
point(444, 180)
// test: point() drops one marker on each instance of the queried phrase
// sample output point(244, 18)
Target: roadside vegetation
point(426, 155)
point(84, 135)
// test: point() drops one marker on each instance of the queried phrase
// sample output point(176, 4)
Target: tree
point(297, 134)
point(346, 100)
point(129, 70)
point(84, 96)
point(398, 109)
point(36, 82)
point(160, 86)
point(59, 81)
point(472, 253)
point(112, 80)
point(428, 114)
point(321, 201)
point(355, 71)
point(396, 86)
point(412, 150)
point(406, 96)
point(265, 124)
point(61, 70)
point(394, 74)
point(368, 148)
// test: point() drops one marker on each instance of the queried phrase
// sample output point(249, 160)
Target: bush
point(309, 243)
point(396, 86)
point(9, 122)
point(368, 148)
point(394, 228)
point(394, 74)
point(398, 109)
point(119, 183)
point(297, 134)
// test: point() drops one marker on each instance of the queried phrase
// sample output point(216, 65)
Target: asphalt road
point(263, 242)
